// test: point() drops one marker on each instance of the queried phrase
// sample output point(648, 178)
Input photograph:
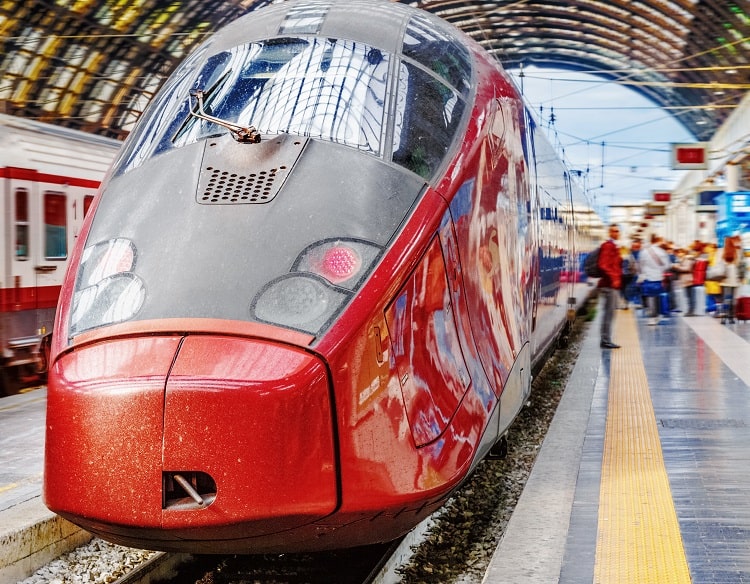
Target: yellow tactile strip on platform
point(638, 538)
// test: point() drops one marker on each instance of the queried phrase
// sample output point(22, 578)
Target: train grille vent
point(240, 174)
point(226, 187)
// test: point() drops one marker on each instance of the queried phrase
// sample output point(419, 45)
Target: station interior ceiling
point(94, 65)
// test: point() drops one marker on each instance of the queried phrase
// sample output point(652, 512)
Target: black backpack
point(591, 264)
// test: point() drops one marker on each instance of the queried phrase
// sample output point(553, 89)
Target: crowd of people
point(664, 279)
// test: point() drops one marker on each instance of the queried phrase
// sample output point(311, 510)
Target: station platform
point(30, 534)
point(644, 476)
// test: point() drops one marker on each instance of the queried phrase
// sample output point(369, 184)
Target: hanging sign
point(690, 156)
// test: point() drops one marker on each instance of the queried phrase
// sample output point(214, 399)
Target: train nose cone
point(256, 417)
point(246, 423)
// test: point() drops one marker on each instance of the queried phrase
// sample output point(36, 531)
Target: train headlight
point(321, 281)
point(339, 264)
point(107, 291)
point(300, 301)
point(343, 262)
point(107, 258)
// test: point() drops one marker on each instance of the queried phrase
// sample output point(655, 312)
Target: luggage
point(591, 264)
point(711, 303)
point(699, 272)
point(700, 300)
point(742, 310)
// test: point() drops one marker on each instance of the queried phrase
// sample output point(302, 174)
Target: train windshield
point(322, 88)
point(298, 256)
point(329, 89)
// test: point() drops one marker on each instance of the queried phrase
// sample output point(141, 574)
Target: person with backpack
point(610, 267)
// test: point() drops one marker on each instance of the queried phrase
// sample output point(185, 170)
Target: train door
point(44, 221)
point(52, 249)
point(19, 287)
point(61, 212)
point(20, 363)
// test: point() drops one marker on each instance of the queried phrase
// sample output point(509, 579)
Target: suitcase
point(742, 309)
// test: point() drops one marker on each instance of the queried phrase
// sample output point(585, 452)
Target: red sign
point(662, 197)
point(689, 156)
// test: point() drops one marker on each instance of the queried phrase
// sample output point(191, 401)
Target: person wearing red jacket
point(610, 264)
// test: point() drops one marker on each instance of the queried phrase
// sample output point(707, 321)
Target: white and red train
point(311, 294)
point(48, 178)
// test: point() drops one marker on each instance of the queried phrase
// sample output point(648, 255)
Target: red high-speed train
point(312, 291)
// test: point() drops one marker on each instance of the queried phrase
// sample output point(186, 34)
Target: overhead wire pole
point(674, 114)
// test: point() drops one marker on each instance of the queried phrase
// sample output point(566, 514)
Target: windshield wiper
point(244, 134)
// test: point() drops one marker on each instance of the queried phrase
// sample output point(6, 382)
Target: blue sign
point(733, 214)
point(708, 198)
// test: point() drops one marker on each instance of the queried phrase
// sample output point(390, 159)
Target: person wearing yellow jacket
point(713, 288)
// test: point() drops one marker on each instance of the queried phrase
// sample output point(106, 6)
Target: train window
point(55, 226)
point(323, 88)
point(22, 224)
point(304, 19)
point(440, 52)
point(165, 114)
point(427, 115)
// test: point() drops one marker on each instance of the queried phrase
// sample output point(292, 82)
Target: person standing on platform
point(713, 287)
point(670, 276)
point(629, 276)
point(653, 262)
point(636, 297)
point(697, 277)
point(610, 264)
point(731, 258)
point(683, 268)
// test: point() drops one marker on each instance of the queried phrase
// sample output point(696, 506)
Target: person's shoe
point(653, 321)
point(608, 345)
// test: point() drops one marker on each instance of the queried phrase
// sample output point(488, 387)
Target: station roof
point(95, 64)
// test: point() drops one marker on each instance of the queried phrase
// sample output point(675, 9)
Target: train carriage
point(48, 178)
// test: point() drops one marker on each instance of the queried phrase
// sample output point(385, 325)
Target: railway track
point(366, 565)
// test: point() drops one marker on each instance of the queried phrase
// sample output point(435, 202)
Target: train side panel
point(427, 375)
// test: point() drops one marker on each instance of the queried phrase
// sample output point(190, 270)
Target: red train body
point(308, 341)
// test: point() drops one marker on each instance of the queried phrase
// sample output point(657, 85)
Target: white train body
point(48, 178)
